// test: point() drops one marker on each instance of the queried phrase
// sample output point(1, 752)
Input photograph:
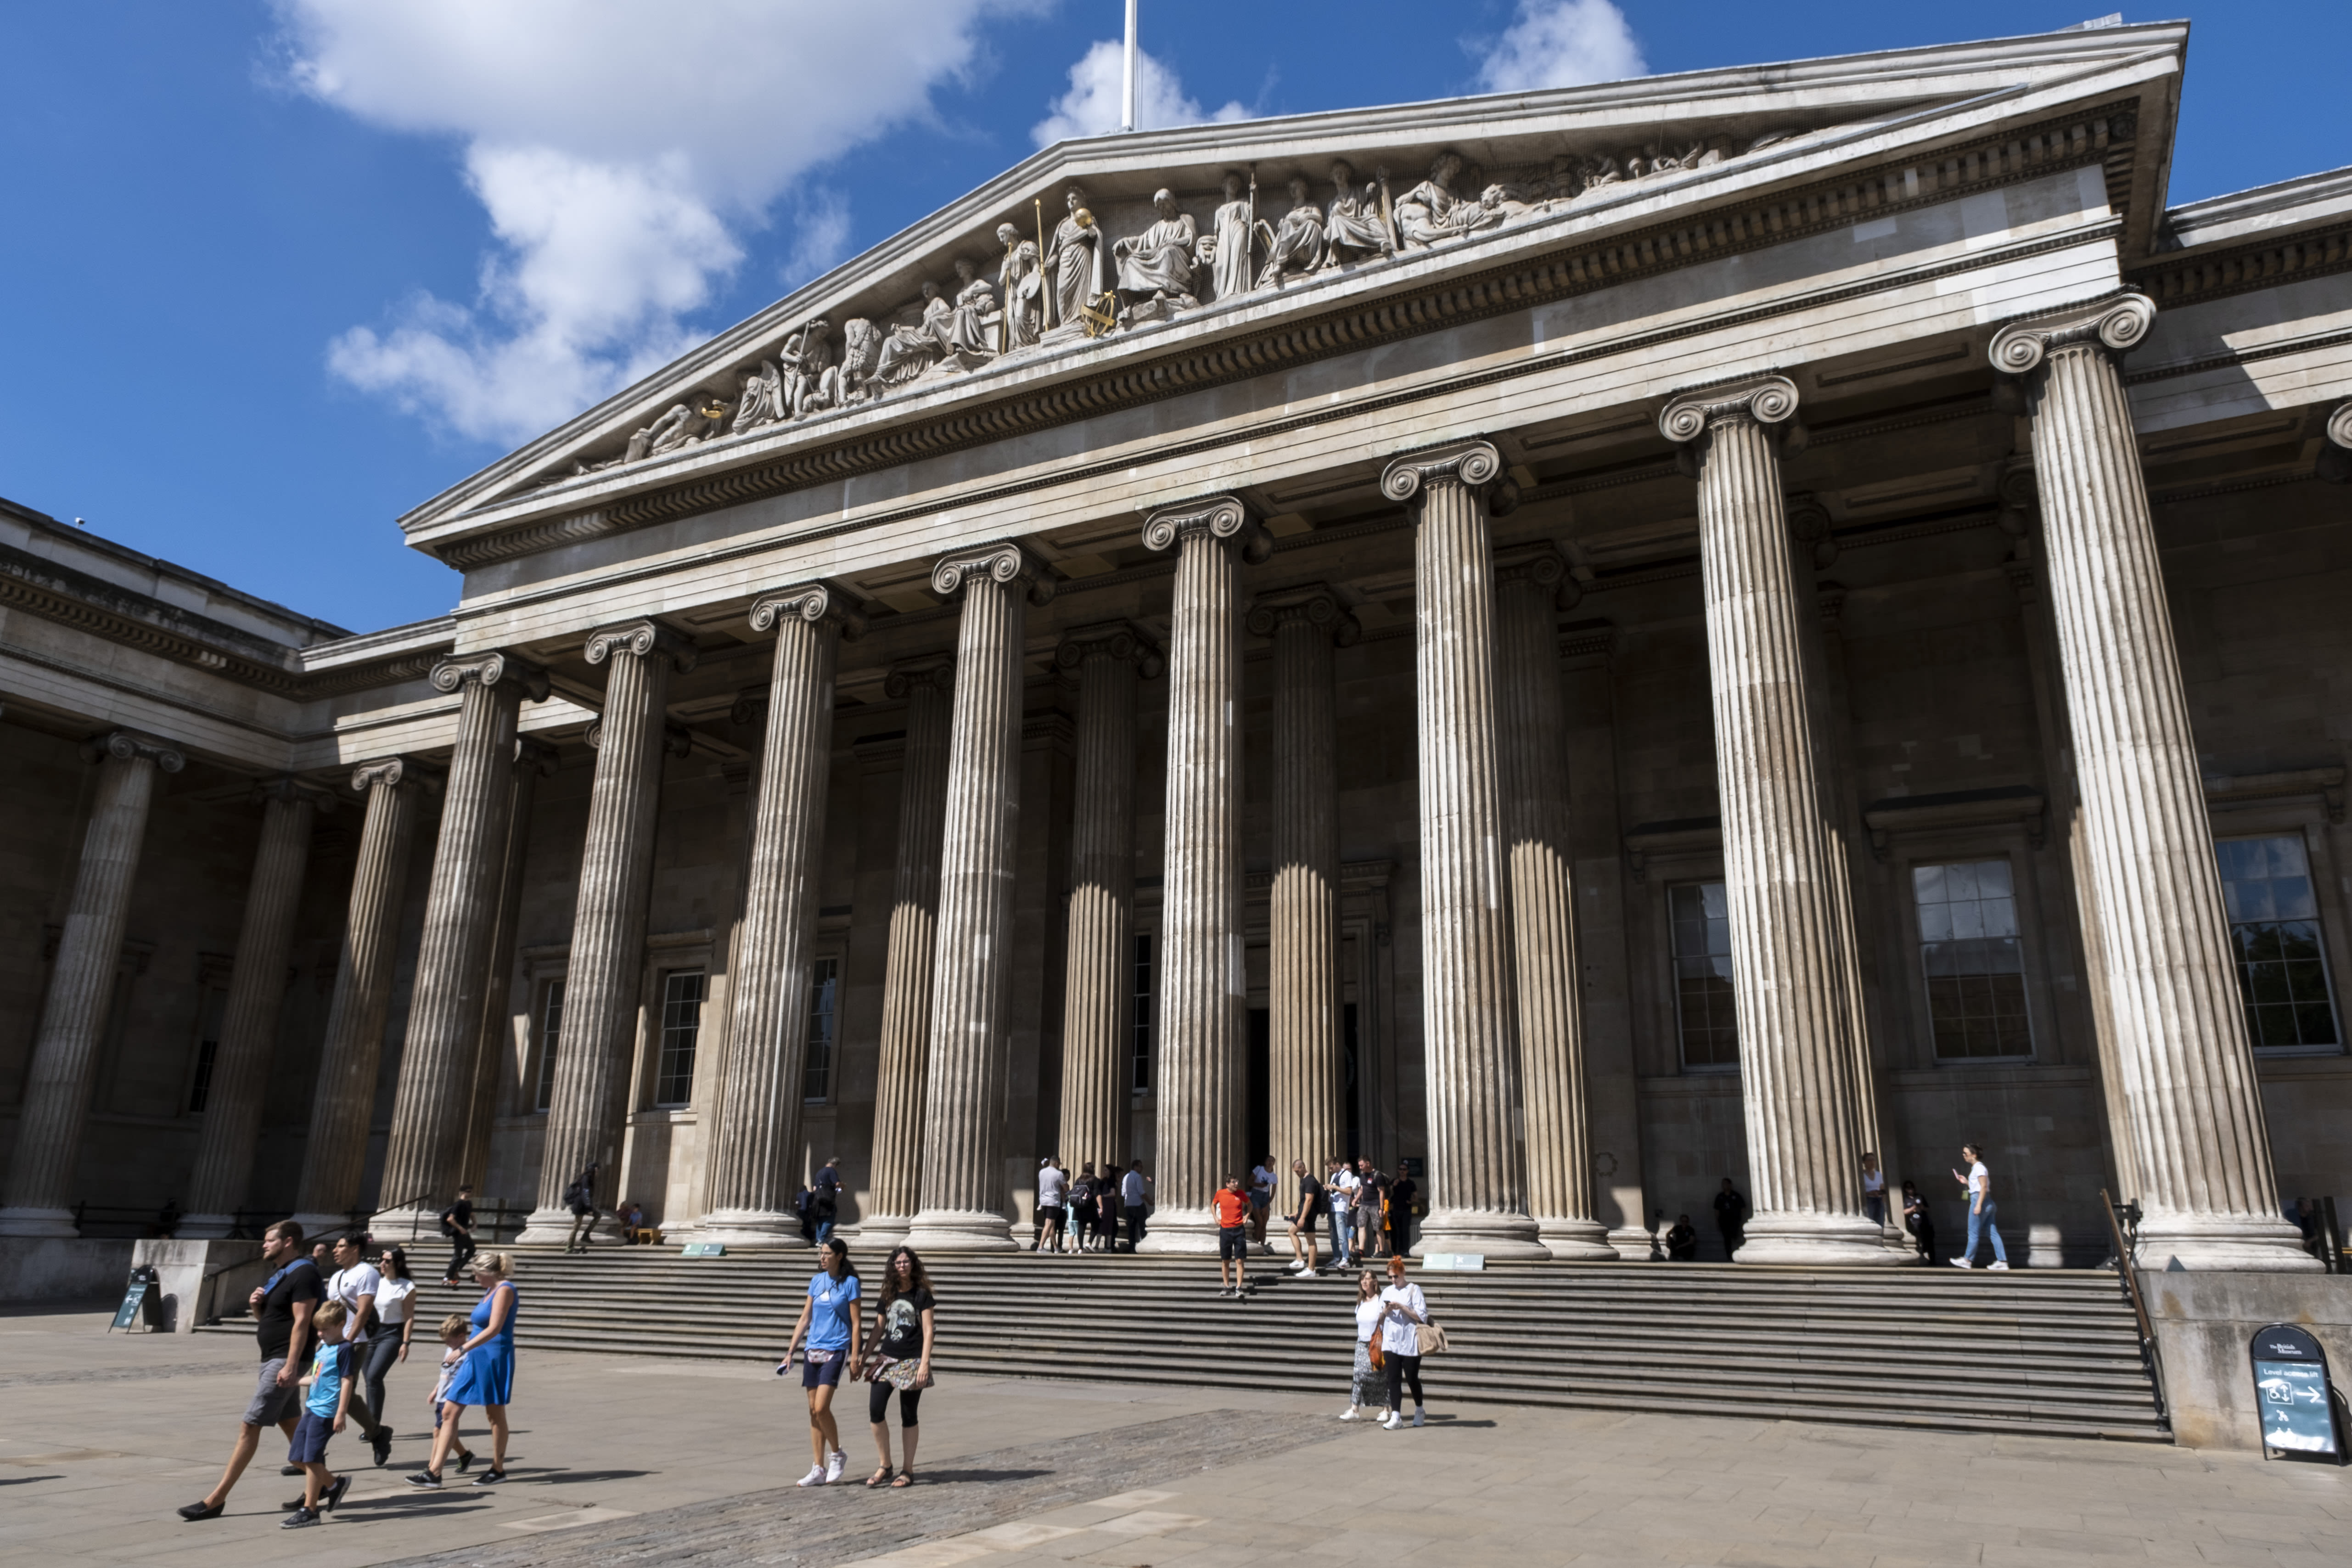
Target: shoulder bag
point(1429, 1338)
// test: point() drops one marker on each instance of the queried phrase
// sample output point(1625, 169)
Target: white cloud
point(619, 150)
point(1091, 107)
point(1561, 43)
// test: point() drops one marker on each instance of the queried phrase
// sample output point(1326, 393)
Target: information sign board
point(703, 1250)
point(1456, 1262)
point(139, 1301)
point(2293, 1397)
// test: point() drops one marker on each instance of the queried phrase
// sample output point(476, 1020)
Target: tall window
point(681, 1027)
point(825, 997)
point(1703, 1004)
point(210, 1012)
point(2274, 933)
point(551, 1031)
point(1140, 1030)
point(1968, 953)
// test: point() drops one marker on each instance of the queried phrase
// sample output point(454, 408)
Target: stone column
point(2206, 1187)
point(1203, 982)
point(1096, 1083)
point(1804, 1077)
point(964, 1081)
point(1305, 1118)
point(265, 944)
point(434, 1097)
point(755, 1147)
point(1478, 1163)
point(1532, 766)
point(344, 1100)
point(41, 1177)
point(903, 1052)
point(605, 969)
point(533, 760)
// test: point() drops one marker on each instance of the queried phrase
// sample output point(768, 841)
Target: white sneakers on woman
point(833, 1463)
point(1350, 1415)
point(1395, 1423)
point(816, 1478)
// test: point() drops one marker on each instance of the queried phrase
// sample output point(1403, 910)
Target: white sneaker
point(1297, 1265)
point(1998, 1264)
point(1416, 1415)
point(1350, 1415)
point(1395, 1423)
point(834, 1462)
point(1962, 1263)
point(816, 1478)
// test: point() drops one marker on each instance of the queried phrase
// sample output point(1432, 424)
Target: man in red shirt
point(1233, 1238)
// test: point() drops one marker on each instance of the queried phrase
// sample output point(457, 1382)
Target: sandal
point(880, 1477)
point(906, 1479)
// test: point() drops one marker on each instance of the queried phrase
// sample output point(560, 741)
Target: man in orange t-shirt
point(1233, 1238)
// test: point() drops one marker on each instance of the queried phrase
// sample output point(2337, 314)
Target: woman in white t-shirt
point(1983, 1216)
point(1403, 1310)
point(395, 1316)
point(1873, 1189)
point(1364, 1392)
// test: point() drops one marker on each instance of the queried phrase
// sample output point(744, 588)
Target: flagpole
point(1127, 77)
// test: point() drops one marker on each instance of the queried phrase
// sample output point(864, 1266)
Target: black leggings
point(877, 1405)
point(1402, 1370)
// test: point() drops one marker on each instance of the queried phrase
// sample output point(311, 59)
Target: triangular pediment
point(1070, 270)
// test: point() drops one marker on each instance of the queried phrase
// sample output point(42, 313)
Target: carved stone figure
point(1155, 267)
point(684, 425)
point(1297, 248)
point(761, 401)
point(861, 342)
point(1355, 229)
point(1599, 170)
point(1075, 258)
point(1232, 234)
point(908, 350)
point(1021, 282)
point(969, 325)
point(1430, 214)
point(812, 381)
point(1506, 203)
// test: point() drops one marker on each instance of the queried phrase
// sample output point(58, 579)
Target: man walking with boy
point(282, 1306)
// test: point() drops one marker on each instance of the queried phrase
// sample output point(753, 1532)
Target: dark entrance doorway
point(1257, 1115)
point(1351, 1077)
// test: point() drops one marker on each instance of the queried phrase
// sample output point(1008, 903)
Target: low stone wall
point(2204, 1322)
point(62, 1269)
point(199, 1279)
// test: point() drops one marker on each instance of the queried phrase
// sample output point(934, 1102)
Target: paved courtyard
point(625, 1461)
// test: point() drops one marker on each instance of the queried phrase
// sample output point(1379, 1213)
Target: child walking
point(324, 1407)
point(456, 1330)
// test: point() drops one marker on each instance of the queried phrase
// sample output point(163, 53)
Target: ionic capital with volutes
point(644, 638)
point(1540, 564)
point(490, 669)
point(287, 787)
point(125, 745)
point(1003, 561)
point(1767, 400)
point(2113, 326)
point(1314, 605)
point(1122, 640)
point(391, 773)
point(1222, 517)
point(676, 739)
point(2335, 464)
point(933, 672)
point(1475, 464)
point(819, 604)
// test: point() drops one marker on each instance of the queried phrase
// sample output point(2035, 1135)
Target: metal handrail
point(2125, 1270)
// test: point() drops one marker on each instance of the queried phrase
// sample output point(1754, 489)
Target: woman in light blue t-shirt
point(830, 1319)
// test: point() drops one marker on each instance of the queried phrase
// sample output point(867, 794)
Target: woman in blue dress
point(486, 1375)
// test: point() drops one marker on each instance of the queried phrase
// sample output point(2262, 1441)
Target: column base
point(1815, 1240)
point(1634, 1244)
point(37, 1222)
point(1179, 1233)
point(1490, 1233)
point(552, 1227)
point(961, 1230)
point(407, 1226)
point(748, 1229)
point(2234, 1243)
point(210, 1227)
point(1577, 1240)
point(315, 1226)
point(883, 1230)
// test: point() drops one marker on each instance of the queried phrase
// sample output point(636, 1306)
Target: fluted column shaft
point(1478, 1163)
point(1203, 987)
point(1096, 997)
point(41, 1177)
point(903, 1050)
point(434, 1097)
point(758, 1121)
point(532, 759)
point(264, 942)
point(964, 1083)
point(336, 1150)
point(2205, 1182)
point(1533, 763)
point(1803, 1080)
point(1306, 1078)
point(603, 970)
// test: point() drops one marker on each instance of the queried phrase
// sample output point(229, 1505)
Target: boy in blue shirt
point(325, 1404)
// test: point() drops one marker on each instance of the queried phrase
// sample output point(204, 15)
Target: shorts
point(1303, 1226)
point(1261, 1202)
point(823, 1374)
point(271, 1404)
point(310, 1436)
point(1233, 1244)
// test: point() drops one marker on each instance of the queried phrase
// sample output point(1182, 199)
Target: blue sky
point(275, 272)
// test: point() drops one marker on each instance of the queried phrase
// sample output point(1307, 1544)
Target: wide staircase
point(2050, 1352)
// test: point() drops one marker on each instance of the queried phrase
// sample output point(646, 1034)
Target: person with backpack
point(824, 1199)
point(458, 1225)
point(580, 1198)
point(282, 1307)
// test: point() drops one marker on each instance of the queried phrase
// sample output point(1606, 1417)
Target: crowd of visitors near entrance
point(1908, 1208)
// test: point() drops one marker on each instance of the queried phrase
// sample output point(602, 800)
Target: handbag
point(1429, 1338)
point(1372, 1355)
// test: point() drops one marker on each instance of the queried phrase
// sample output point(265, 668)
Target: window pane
point(1971, 960)
point(1701, 937)
point(1139, 1028)
point(550, 1033)
point(681, 1027)
point(823, 1029)
point(2275, 933)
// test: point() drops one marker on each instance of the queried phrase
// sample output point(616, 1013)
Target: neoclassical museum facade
point(1583, 643)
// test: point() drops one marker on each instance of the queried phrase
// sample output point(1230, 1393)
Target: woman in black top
point(1083, 1206)
point(1402, 1190)
point(900, 1358)
point(1918, 1221)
